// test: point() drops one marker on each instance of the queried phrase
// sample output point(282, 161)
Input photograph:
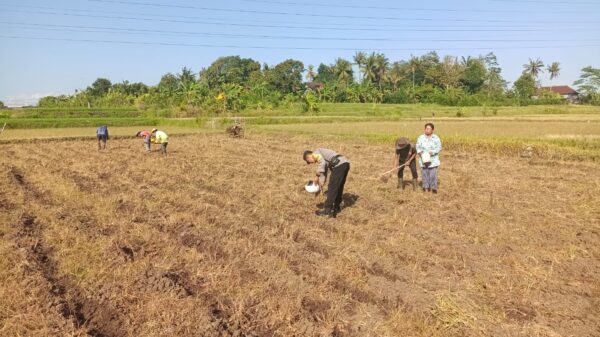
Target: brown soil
point(219, 239)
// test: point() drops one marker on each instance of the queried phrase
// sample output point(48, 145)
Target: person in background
point(161, 138)
point(429, 147)
point(147, 135)
point(102, 135)
point(339, 166)
point(406, 156)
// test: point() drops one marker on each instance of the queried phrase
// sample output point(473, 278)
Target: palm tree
point(370, 68)
point(534, 68)
point(414, 65)
point(310, 74)
point(343, 70)
point(360, 59)
point(554, 71)
point(396, 74)
point(382, 65)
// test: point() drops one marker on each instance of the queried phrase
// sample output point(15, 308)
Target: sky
point(57, 47)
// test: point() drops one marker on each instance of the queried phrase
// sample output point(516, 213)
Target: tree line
point(233, 83)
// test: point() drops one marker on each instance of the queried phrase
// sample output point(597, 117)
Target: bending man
point(328, 160)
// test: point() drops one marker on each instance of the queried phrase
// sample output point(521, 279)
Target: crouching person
point(147, 136)
point(328, 160)
point(406, 156)
point(102, 135)
point(161, 138)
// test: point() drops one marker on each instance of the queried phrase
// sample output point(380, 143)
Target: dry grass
point(484, 128)
point(219, 239)
point(550, 139)
point(53, 133)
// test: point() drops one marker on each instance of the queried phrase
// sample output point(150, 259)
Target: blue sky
point(50, 48)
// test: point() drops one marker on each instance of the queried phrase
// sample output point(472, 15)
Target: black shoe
point(327, 213)
point(337, 209)
point(434, 191)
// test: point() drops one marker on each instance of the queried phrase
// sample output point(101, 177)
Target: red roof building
point(564, 91)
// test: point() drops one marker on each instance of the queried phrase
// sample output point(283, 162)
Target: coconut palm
point(359, 59)
point(554, 71)
point(343, 70)
point(383, 64)
point(370, 68)
point(534, 68)
point(414, 65)
point(310, 73)
point(396, 75)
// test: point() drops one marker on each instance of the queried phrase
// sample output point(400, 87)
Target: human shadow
point(348, 200)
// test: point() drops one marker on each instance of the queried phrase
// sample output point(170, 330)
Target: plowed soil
point(219, 239)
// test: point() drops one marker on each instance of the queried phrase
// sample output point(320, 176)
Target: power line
point(248, 11)
point(171, 44)
point(97, 29)
point(551, 2)
point(415, 9)
point(180, 16)
point(312, 25)
point(287, 26)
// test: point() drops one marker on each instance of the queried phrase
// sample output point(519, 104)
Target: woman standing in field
point(429, 147)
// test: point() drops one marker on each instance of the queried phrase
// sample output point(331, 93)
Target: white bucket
point(311, 187)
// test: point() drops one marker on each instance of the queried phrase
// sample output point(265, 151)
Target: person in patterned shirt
point(429, 147)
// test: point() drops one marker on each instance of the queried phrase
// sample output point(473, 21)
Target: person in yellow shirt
point(161, 137)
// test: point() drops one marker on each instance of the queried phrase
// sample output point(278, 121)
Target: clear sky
point(55, 47)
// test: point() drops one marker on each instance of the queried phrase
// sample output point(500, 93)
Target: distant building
point(564, 91)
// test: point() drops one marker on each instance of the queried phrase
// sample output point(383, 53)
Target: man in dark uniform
point(340, 166)
point(405, 155)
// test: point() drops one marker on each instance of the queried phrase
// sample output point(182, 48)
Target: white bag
point(426, 158)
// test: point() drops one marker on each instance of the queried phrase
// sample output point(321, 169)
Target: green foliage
point(1, 105)
point(229, 70)
point(589, 84)
point(474, 75)
point(525, 86)
point(232, 84)
point(100, 87)
point(310, 102)
point(286, 77)
point(23, 123)
point(325, 74)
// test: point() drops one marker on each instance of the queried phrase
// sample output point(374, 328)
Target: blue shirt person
point(102, 135)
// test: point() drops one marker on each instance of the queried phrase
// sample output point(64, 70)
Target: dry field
point(53, 133)
point(482, 128)
point(219, 239)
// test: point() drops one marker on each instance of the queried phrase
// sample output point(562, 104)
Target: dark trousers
point(335, 189)
point(413, 168)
